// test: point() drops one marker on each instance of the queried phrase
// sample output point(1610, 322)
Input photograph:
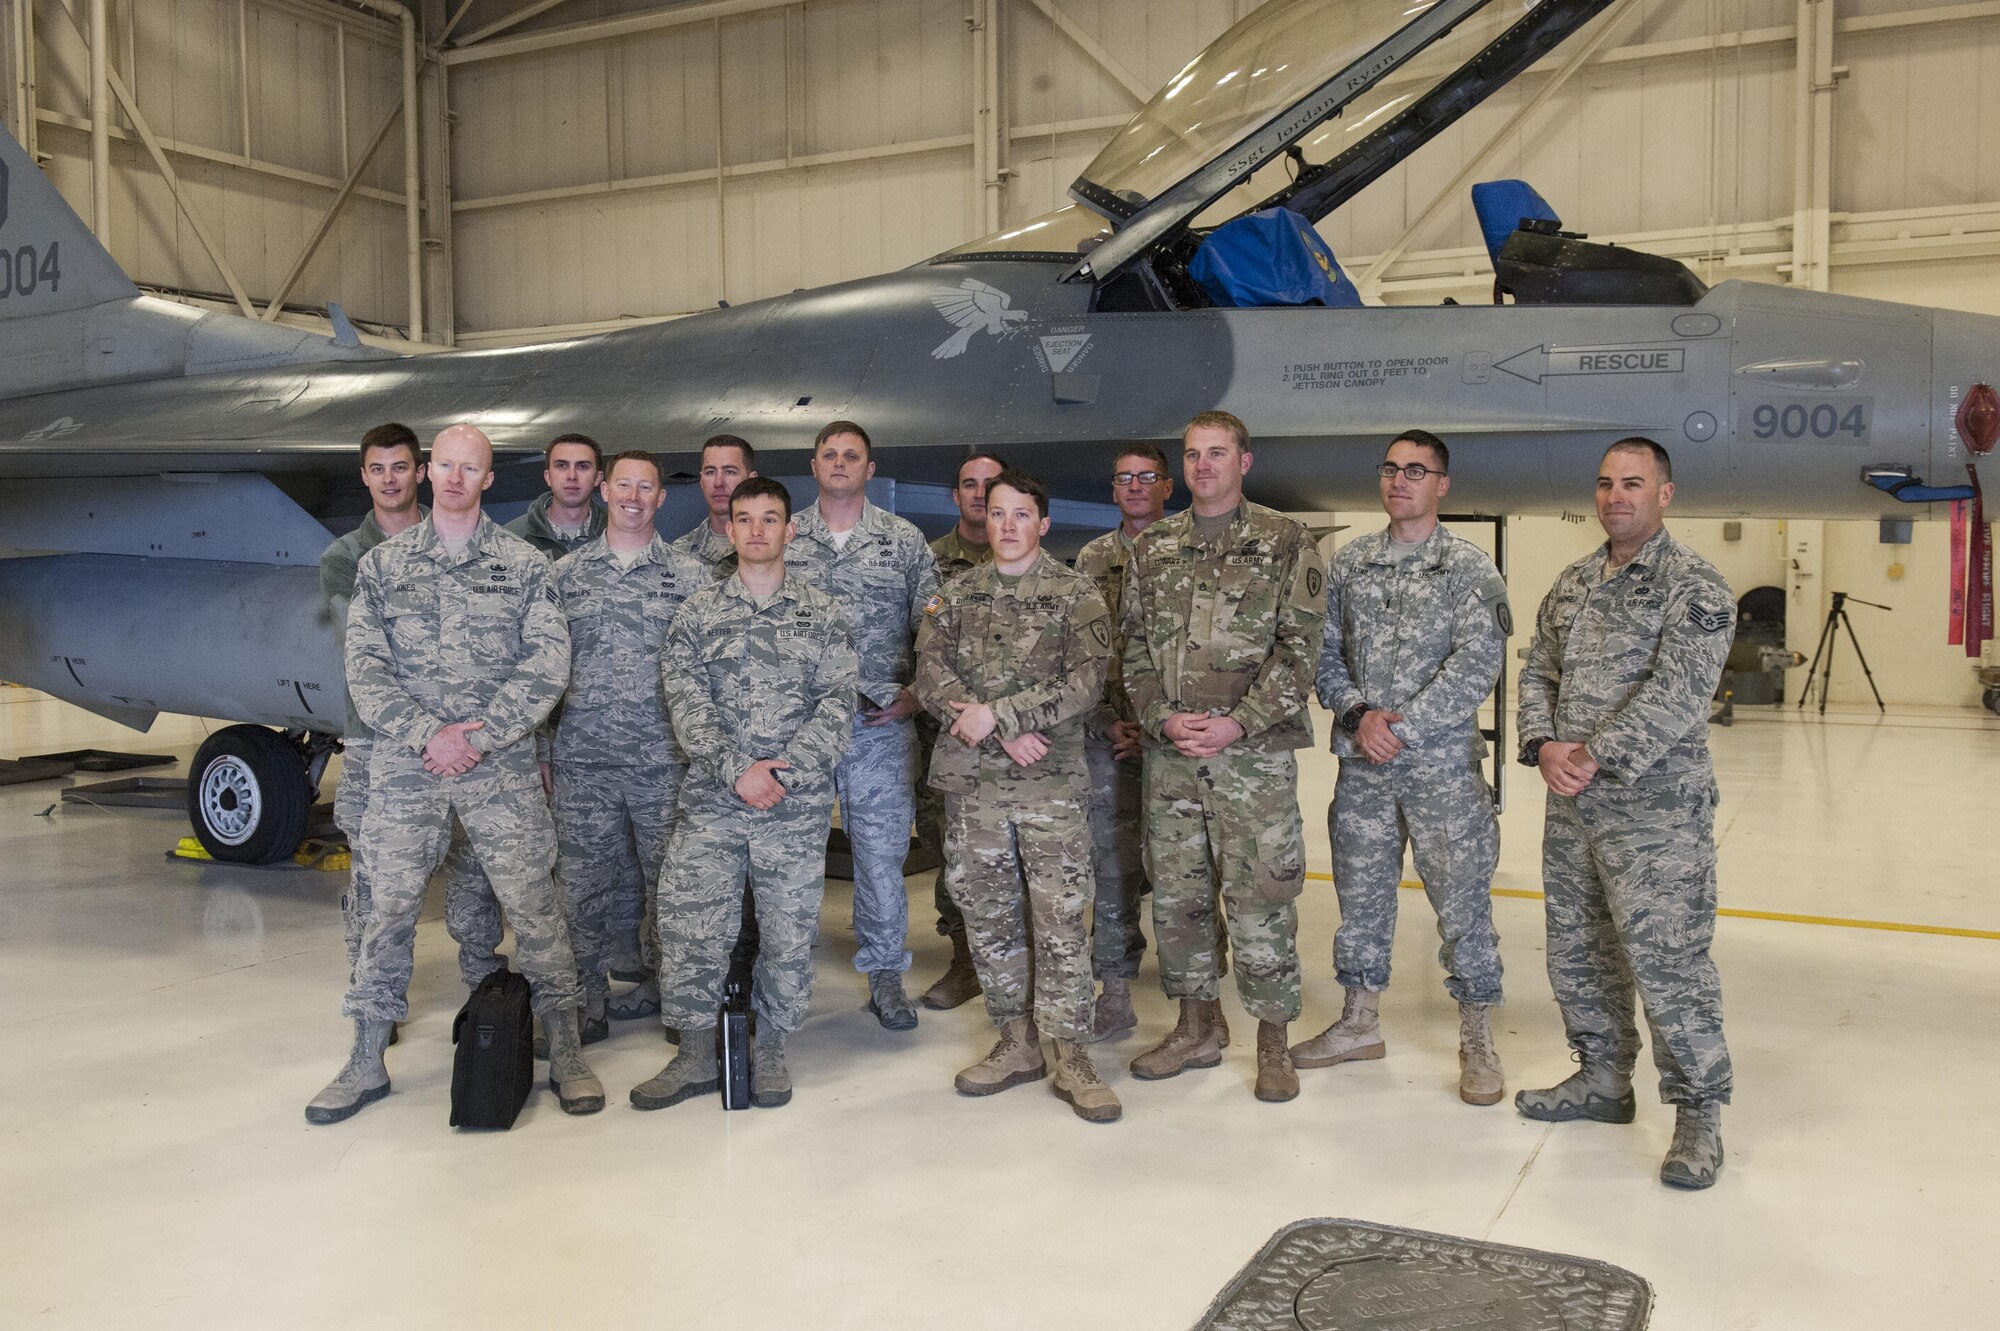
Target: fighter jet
point(171, 476)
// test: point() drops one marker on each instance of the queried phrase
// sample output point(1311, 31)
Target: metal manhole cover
point(1347, 1275)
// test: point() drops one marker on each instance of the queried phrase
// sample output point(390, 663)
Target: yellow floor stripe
point(1782, 917)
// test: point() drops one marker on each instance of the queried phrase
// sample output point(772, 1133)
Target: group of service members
point(634, 754)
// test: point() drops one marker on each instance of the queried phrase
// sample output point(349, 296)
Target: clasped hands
point(1199, 735)
point(976, 721)
point(1566, 768)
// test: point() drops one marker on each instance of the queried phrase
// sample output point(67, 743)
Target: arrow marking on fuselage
point(1545, 361)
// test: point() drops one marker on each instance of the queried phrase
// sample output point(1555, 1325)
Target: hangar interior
point(499, 173)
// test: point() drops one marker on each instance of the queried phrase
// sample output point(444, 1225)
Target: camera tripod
point(1837, 617)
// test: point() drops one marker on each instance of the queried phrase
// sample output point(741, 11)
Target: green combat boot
point(692, 1072)
point(577, 1088)
point(1113, 1014)
point(1355, 1037)
point(770, 1079)
point(1480, 1080)
point(362, 1082)
point(1695, 1158)
point(1015, 1060)
point(1594, 1091)
point(1195, 1042)
point(1077, 1083)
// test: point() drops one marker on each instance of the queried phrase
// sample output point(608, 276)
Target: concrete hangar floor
point(166, 1023)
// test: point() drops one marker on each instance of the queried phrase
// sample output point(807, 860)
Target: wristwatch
point(1350, 720)
point(1531, 751)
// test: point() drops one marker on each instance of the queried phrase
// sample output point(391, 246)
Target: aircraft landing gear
point(250, 791)
point(1991, 698)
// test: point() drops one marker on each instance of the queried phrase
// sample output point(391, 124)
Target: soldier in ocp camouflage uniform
point(759, 674)
point(1628, 648)
point(878, 570)
point(964, 547)
point(1013, 655)
point(1140, 486)
point(1416, 623)
point(1222, 622)
point(456, 651)
point(617, 769)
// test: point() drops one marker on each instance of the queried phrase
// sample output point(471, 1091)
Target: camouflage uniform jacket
point(433, 639)
point(716, 553)
point(614, 713)
point(882, 580)
point(336, 588)
point(1105, 560)
point(1034, 648)
point(955, 554)
point(1627, 666)
point(1229, 628)
point(1423, 635)
point(745, 682)
point(533, 527)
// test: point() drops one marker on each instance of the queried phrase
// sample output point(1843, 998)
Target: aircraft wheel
point(1992, 700)
point(248, 796)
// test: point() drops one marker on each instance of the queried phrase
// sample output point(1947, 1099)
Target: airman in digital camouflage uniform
point(617, 770)
point(1221, 619)
point(1013, 656)
point(392, 468)
point(1628, 647)
point(759, 674)
point(726, 462)
point(456, 652)
point(1140, 486)
point(1416, 624)
point(964, 547)
point(878, 570)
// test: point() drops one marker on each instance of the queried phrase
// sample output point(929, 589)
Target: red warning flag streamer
point(1978, 422)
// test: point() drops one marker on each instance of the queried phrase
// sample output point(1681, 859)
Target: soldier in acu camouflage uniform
point(759, 675)
point(1140, 486)
point(964, 547)
point(617, 770)
point(1222, 622)
point(1615, 695)
point(456, 651)
point(1013, 656)
point(877, 568)
point(1416, 623)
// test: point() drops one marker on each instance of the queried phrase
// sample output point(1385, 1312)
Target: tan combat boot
point(361, 1082)
point(1078, 1083)
point(1016, 1059)
point(691, 1072)
point(1113, 1014)
point(577, 1088)
point(1194, 1042)
point(1277, 1082)
point(1357, 1035)
point(960, 982)
point(1480, 1080)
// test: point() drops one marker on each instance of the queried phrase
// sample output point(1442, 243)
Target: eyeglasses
point(1143, 477)
point(1414, 471)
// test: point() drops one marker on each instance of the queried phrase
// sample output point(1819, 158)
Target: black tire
point(247, 796)
point(1992, 700)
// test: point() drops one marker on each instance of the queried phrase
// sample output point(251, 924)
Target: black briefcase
point(735, 1025)
point(494, 1066)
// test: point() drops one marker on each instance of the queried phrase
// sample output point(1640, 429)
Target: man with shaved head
point(456, 652)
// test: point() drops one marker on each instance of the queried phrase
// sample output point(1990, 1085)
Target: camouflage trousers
point(1021, 842)
point(1224, 837)
point(930, 829)
point(717, 841)
point(1630, 879)
point(408, 831)
point(609, 818)
point(1445, 813)
point(471, 913)
point(1117, 860)
point(876, 786)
